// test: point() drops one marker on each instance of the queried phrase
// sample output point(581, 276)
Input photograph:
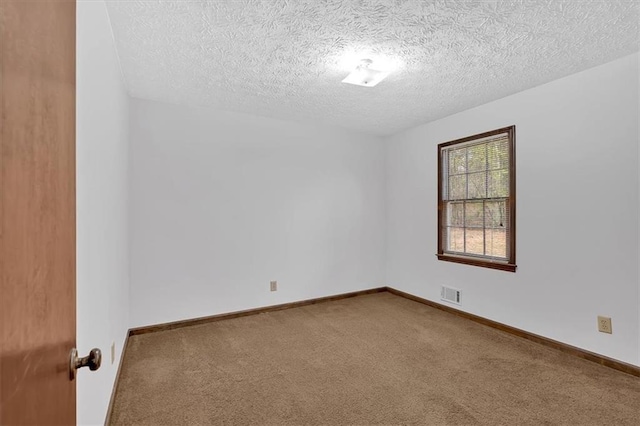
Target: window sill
point(502, 266)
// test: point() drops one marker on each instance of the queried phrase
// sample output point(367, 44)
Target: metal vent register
point(450, 295)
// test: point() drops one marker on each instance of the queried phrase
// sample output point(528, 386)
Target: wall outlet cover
point(273, 285)
point(604, 325)
point(113, 352)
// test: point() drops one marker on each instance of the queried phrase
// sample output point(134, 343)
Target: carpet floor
point(373, 359)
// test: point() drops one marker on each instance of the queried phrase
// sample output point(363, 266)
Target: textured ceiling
point(286, 58)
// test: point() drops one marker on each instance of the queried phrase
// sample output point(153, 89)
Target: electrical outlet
point(274, 285)
point(113, 352)
point(604, 325)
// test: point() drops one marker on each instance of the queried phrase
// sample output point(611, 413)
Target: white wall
point(222, 203)
point(102, 159)
point(577, 211)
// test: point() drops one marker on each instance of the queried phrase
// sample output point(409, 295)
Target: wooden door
point(37, 211)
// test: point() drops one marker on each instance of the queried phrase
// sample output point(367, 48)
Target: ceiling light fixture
point(365, 76)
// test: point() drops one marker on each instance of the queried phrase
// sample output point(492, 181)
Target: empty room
point(320, 212)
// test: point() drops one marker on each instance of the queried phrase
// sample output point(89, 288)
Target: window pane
point(457, 161)
point(457, 187)
point(498, 183)
point(474, 214)
point(477, 159)
point(477, 185)
point(455, 214)
point(495, 214)
point(455, 239)
point(496, 241)
point(474, 240)
point(498, 154)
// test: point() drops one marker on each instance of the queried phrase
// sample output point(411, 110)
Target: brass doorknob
point(93, 361)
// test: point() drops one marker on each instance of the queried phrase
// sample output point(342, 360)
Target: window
point(477, 200)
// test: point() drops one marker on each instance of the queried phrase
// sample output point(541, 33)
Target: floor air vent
point(450, 295)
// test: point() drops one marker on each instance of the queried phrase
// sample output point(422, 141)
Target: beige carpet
point(374, 359)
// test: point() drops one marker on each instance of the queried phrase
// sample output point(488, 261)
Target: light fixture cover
point(365, 76)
